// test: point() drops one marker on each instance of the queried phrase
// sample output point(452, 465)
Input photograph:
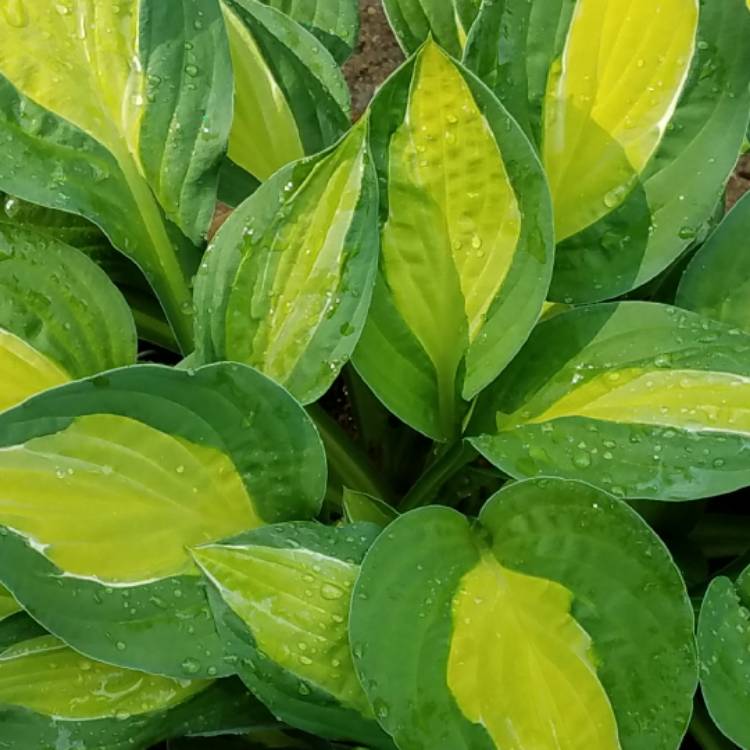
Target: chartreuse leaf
point(157, 460)
point(291, 98)
point(63, 305)
point(717, 281)
point(119, 112)
point(558, 620)
point(334, 22)
point(447, 21)
point(8, 605)
point(724, 644)
point(51, 695)
point(641, 399)
point(281, 596)
point(621, 121)
point(466, 243)
point(287, 283)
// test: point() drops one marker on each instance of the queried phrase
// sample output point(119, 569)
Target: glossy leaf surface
point(286, 285)
point(717, 281)
point(334, 22)
point(281, 595)
point(638, 138)
point(724, 643)
point(521, 599)
point(466, 243)
point(94, 120)
point(173, 459)
point(643, 400)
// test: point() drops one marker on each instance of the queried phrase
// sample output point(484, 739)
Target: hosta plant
point(426, 431)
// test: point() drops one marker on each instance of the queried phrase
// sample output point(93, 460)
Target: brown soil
point(740, 183)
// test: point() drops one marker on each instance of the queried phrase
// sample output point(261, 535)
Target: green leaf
point(641, 399)
point(50, 694)
point(281, 597)
point(621, 122)
point(717, 281)
point(286, 285)
point(362, 508)
point(447, 21)
point(150, 459)
point(560, 591)
point(120, 113)
point(724, 644)
point(291, 98)
point(466, 243)
point(334, 22)
point(62, 304)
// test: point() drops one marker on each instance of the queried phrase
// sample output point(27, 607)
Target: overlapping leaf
point(281, 596)
point(717, 281)
point(514, 635)
point(120, 112)
point(638, 137)
point(291, 99)
point(641, 399)
point(287, 283)
point(334, 22)
point(466, 243)
point(51, 695)
point(447, 21)
point(724, 643)
point(65, 309)
point(108, 482)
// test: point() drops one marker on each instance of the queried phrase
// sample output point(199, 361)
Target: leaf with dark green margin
point(62, 304)
point(153, 460)
point(467, 247)
point(447, 21)
point(281, 598)
point(18, 627)
point(642, 399)
point(360, 507)
point(724, 646)
point(334, 22)
point(120, 113)
point(717, 281)
point(286, 285)
point(52, 697)
point(291, 98)
point(659, 129)
point(592, 584)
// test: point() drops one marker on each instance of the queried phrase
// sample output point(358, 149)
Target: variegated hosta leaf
point(107, 483)
point(120, 112)
point(447, 21)
point(334, 22)
point(291, 98)
point(514, 633)
point(287, 283)
point(644, 400)
point(717, 281)
point(724, 645)
point(466, 243)
point(637, 137)
point(281, 596)
point(60, 316)
point(52, 696)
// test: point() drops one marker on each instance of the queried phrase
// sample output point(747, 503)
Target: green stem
point(346, 461)
point(150, 321)
point(445, 466)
